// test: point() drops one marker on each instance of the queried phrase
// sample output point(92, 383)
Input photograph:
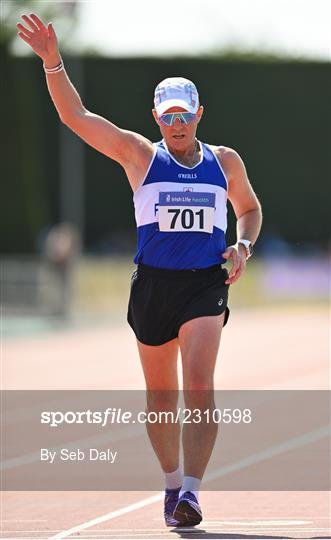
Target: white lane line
point(291, 444)
point(235, 519)
point(111, 515)
point(222, 471)
point(258, 523)
point(114, 534)
point(201, 532)
point(210, 523)
point(198, 533)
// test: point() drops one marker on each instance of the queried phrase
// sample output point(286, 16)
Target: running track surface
point(261, 349)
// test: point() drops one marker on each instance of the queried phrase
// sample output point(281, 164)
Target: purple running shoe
point(170, 501)
point(188, 511)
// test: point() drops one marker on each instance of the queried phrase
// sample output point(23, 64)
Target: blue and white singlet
point(181, 212)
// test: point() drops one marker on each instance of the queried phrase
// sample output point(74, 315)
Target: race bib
point(186, 211)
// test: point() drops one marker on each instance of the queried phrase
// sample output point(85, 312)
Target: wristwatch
point(248, 247)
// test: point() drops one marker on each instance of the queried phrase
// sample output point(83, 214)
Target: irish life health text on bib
point(186, 211)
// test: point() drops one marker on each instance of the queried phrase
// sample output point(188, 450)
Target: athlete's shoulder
point(225, 153)
point(229, 159)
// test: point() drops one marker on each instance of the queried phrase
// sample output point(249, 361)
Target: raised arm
point(132, 150)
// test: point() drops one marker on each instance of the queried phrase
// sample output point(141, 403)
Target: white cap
point(176, 92)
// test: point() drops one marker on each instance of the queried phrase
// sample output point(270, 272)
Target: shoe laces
point(171, 497)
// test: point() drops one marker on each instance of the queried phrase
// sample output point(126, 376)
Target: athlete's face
point(179, 136)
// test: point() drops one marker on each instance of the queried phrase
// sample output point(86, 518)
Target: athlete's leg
point(199, 341)
point(160, 371)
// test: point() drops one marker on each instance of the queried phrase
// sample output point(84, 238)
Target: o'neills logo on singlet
point(188, 176)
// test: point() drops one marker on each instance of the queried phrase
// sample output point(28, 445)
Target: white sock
point(191, 484)
point(173, 479)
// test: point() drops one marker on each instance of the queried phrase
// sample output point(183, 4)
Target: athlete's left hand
point(237, 255)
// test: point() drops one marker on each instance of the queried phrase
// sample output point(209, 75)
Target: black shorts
point(162, 300)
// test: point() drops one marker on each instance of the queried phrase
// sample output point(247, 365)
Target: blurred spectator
point(62, 247)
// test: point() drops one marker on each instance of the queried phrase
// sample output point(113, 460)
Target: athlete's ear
point(155, 116)
point(200, 112)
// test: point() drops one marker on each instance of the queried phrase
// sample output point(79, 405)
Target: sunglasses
point(168, 119)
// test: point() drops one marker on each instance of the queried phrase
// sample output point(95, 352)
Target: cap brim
point(165, 105)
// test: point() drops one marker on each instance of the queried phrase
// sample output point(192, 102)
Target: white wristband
point(55, 69)
point(247, 245)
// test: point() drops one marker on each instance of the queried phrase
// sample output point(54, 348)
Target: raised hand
point(42, 39)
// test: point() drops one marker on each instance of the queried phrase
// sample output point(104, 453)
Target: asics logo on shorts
point(220, 302)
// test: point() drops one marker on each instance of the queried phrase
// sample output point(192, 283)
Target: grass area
point(102, 286)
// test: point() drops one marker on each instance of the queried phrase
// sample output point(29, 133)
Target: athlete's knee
point(162, 400)
point(199, 397)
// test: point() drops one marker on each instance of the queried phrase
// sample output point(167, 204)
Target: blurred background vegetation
point(273, 114)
